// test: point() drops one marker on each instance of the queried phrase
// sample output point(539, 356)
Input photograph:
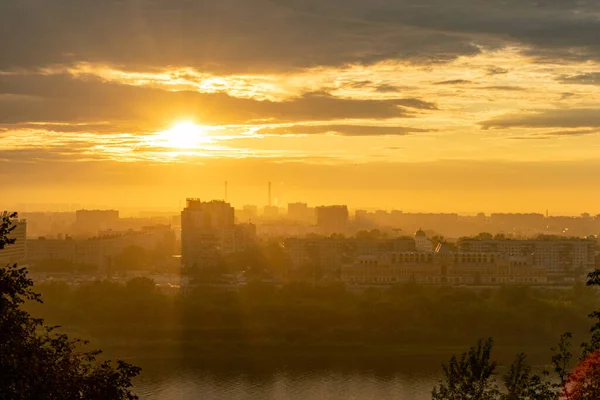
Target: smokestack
point(269, 194)
point(226, 191)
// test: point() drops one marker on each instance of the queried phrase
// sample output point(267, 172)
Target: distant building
point(443, 267)
point(15, 253)
point(90, 222)
point(422, 242)
point(558, 255)
point(332, 219)
point(300, 212)
point(327, 253)
point(206, 228)
point(270, 212)
point(239, 238)
point(248, 213)
point(99, 250)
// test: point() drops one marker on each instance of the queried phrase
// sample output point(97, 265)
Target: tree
point(36, 362)
point(584, 382)
point(132, 258)
point(470, 377)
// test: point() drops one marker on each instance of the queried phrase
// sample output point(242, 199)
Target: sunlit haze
point(378, 104)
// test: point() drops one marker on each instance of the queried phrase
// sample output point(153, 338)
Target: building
point(443, 267)
point(206, 232)
point(90, 222)
point(15, 253)
point(248, 213)
point(239, 238)
point(270, 212)
point(100, 250)
point(327, 253)
point(300, 212)
point(422, 242)
point(332, 219)
point(557, 255)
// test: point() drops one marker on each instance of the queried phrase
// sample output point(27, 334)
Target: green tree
point(36, 362)
point(470, 377)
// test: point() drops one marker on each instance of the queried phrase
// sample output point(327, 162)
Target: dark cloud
point(531, 137)
point(347, 130)
point(556, 134)
point(577, 132)
point(60, 98)
point(99, 128)
point(359, 84)
point(453, 82)
point(591, 78)
point(505, 88)
point(564, 118)
point(218, 36)
point(497, 71)
point(387, 88)
point(278, 35)
point(71, 152)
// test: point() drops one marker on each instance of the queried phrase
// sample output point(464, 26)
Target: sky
point(435, 105)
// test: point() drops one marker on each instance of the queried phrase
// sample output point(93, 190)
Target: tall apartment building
point(300, 212)
point(332, 219)
point(15, 253)
point(206, 229)
point(555, 255)
point(90, 222)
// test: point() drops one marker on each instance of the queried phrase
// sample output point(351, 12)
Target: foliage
point(305, 314)
point(471, 376)
point(39, 363)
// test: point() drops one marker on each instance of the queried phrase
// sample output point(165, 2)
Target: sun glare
point(184, 135)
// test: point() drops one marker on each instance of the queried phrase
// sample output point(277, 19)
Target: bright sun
point(184, 135)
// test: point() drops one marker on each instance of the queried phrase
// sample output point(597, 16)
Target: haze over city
point(386, 103)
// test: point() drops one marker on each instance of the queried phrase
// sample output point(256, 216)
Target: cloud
point(453, 82)
point(497, 71)
point(347, 130)
point(590, 78)
point(387, 88)
point(564, 118)
point(505, 88)
point(62, 98)
point(576, 132)
point(217, 36)
point(280, 35)
point(556, 134)
point(97, 128)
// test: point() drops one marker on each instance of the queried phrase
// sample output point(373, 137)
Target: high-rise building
point(90, 222)
point(205, 233)
point(300, 212)
point(332, 219)
point(15, 253)
point(248, 213)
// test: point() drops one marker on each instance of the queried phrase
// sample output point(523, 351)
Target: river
point(312, 377)
point(406, 377)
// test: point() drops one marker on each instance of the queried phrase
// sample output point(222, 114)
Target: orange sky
point(468, 106)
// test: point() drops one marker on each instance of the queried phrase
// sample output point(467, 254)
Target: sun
point(183, 135)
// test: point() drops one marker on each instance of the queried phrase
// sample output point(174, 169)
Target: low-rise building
point(443, 267)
